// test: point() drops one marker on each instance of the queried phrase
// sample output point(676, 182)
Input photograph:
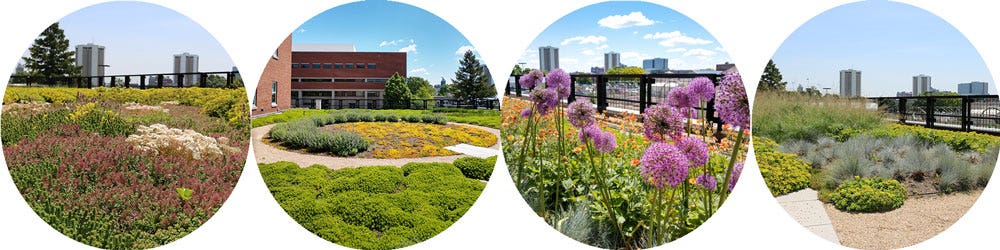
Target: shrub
point(869, 195)
point(476, 168)
point(302, 133)
point(783, 173)
point(433, 118)
point(411, 118)
point(386, 117)
point(958, 141)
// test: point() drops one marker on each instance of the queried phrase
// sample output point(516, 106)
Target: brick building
point(275, 86)
point(335, 76)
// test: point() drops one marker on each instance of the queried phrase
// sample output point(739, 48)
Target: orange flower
point(510, 137)
point(635, 162)
point(691, 180)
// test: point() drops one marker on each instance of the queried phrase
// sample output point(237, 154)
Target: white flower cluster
point(175, 103)
point(159, 138)
point(34, 106)
point(139, 106)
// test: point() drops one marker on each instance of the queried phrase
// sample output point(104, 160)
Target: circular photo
point(375, 138)
point(875, 126)
point(625, 126)
point(119, 136)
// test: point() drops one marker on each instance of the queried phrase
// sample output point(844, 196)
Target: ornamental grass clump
point(302, 133)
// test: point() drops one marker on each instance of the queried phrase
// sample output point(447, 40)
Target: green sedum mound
point(783, 173)
point(869, 195)
point(476, 168)
point(378, 207)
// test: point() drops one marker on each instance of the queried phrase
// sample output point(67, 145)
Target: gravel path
point(919, 219)
point(268, 154)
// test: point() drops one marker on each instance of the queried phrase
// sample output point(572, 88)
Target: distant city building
point(850, 83)
point(238, 71)
point(19, 69)
point(974, 88)
point(725, 66)
point(90, 57)
point(548, 58)
point(597, 70)
point(612, 60)
point(187, 63)
point(655, 65)
point(904, 94)
point(921, 84)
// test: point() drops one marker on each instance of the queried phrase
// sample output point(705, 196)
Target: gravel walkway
point(268, 154)
point(919, 219)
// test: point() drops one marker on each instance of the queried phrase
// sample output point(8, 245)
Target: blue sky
point(889, 42)
point(142, 37)
point(636, 30)
point(433, 46)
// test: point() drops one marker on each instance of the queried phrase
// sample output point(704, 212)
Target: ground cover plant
point(124, 168)
point(842, 141)
point(376, 207)
point(646, 182)
point(373, 134)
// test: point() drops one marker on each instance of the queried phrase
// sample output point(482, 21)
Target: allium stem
point(723, 194)
point(604, 191)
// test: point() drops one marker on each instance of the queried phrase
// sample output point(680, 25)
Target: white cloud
point(633, 59)
point(624, 21)
point(675, 50)
point(699, 52)
point(392, 42)
point(409, 48)
point(720, 49)
point(673, 38)
point(585, 40)
point(419, 71)
point(302, 30)
point(589, 52)
point(464, 48)
point(603, 46)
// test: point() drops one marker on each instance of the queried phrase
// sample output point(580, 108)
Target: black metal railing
point(379, 103)
point(979, 113)
point(141, 81)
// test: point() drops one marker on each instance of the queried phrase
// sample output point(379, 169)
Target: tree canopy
point(49, 55)
point(471, 81)
point(397, 94)
point(770, 80)
point(419, 87)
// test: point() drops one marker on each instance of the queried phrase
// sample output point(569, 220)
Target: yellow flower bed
point(409, 140)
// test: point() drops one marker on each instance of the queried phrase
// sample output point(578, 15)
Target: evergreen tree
point(771, 79)
point(396, 92)
point(471, 80)
point(50, 56)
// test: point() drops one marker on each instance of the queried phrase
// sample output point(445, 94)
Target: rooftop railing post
point(230, 79)
point(572, 89)
point(203, 80)
point(128, 81)
point(902, 110)
point(602, 93)
point(159, 81)
point(142, 82)
point(929, 113)
point(517, 85)
point(642, 93)
point(90, 82)
point(179, 78)
point(506, 89)
point(113, 82)
point(966, 113)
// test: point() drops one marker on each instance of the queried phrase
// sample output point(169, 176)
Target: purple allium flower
point(606, 142)
point(694, 149)
point(707, 181)
point(591, 132)
point(558, 79)
point(737, 170)
point(529, 80)
point(545, 100)
point(679, 97)
point(664, 164)
point(662, 120)
point(701, 89)
point(526, 112)
point(731, 101)
point(581, 113)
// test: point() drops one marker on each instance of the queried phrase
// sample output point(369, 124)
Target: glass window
point(374, 94)
point(316, 65)
point(304, 65)
point(327, 65)
point(361, 65)
point(349, 65)
point(371, 66)
point(338, 66)
point(275, 56)
point(295, 65)
point(274, 93)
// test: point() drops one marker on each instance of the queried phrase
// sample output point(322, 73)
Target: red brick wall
point(386, 64)
point(279, 70)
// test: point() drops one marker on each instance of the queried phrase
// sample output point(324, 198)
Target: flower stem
point(723, 191)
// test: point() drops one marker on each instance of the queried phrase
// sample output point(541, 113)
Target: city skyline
point(635, 30)
point(890, 42)
point(433, 47)
point(142, 37)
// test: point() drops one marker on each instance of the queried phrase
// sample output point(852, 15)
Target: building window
point(373, 94)
point(376, 80)
point(274, 94)
point(304, 65)
point(327, 65)
point(371, 66)
point(361, 65)
point(349, 66)
point(295, 65)
point(316, 65)
point(275, 55)
point(338, 66)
